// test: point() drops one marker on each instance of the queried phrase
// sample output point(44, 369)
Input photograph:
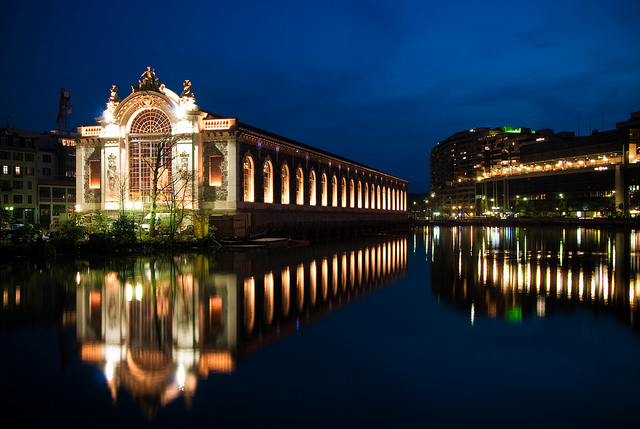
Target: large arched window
point(324, 191)
point(373, 196)
point(344, 192)
point(312, 188)
point(352, 192)
point(366, 195)
point(334, 191)
point(284, 188)
point(384, 198)
point(379, 205)
point(247, 168)
point(359, 194)
point(149, 144)
point(299, 187)
point(267, 173)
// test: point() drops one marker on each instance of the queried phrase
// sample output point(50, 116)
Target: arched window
point(344, 192)
point(352, 196)
point(267, 173)
point(248, 179)
point(324, 190)
point(312, 188)
point(299, 187)
point(384, 198)
point(284, 188)
point(379, 205)
point(359, 194)
point(366, 195)
point(334, 191)
point(149, 142)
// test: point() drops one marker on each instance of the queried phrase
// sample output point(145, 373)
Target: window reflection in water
point(517, 272)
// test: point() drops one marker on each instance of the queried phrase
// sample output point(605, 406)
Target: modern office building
point(157, 140)
point(565, 175)
point(457, 161)
point(540, 173)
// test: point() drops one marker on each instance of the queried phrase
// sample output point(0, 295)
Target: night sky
point(379, 82)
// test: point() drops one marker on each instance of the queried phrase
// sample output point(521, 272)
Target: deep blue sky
point(379, 82)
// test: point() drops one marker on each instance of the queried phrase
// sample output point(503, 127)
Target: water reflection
point(155, 326)
point(516, 272)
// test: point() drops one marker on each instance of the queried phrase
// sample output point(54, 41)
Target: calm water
point(441, 327)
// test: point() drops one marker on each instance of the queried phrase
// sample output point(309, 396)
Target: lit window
point(334, 191)
point(5, 169)
point(366, 195)
point(248, 179)
point(94, 174)
point(359, 194)
point(312, 188)
point(215, 170)
point(284, 188)
point(352, 190)
point(299, 187)
point(324, 190)
point(17, 171)
point(267, 176)
point(344, 192)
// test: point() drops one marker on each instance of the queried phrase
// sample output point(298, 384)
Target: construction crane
point(64, 110)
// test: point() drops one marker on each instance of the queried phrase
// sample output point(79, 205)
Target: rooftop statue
point(114, 95)
point(149, 81)
point(186, 92)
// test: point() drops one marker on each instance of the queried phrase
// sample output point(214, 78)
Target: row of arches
point(318, 281)
point(345, 192)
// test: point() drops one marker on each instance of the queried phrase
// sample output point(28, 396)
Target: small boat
point(296, 243)
point(263, 242)
point(271, 242)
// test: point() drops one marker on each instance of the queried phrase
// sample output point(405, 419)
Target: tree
point(178, 193)
point(171, 183)
point(159, 164)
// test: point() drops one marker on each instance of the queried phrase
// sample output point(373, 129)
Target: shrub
point(123, 229)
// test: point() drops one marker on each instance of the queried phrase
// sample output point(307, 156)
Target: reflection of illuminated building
point(513, 272)
point(156, 325)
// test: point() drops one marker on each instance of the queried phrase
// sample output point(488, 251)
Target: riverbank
point(614, 223)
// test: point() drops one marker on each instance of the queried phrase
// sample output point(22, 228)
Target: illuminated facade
point(456, 162)
point(503, 171)
point(588, 176)
point(223, 167)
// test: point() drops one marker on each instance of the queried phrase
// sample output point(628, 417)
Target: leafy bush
point(123, 229)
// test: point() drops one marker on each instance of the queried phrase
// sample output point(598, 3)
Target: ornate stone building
point(253, 180)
